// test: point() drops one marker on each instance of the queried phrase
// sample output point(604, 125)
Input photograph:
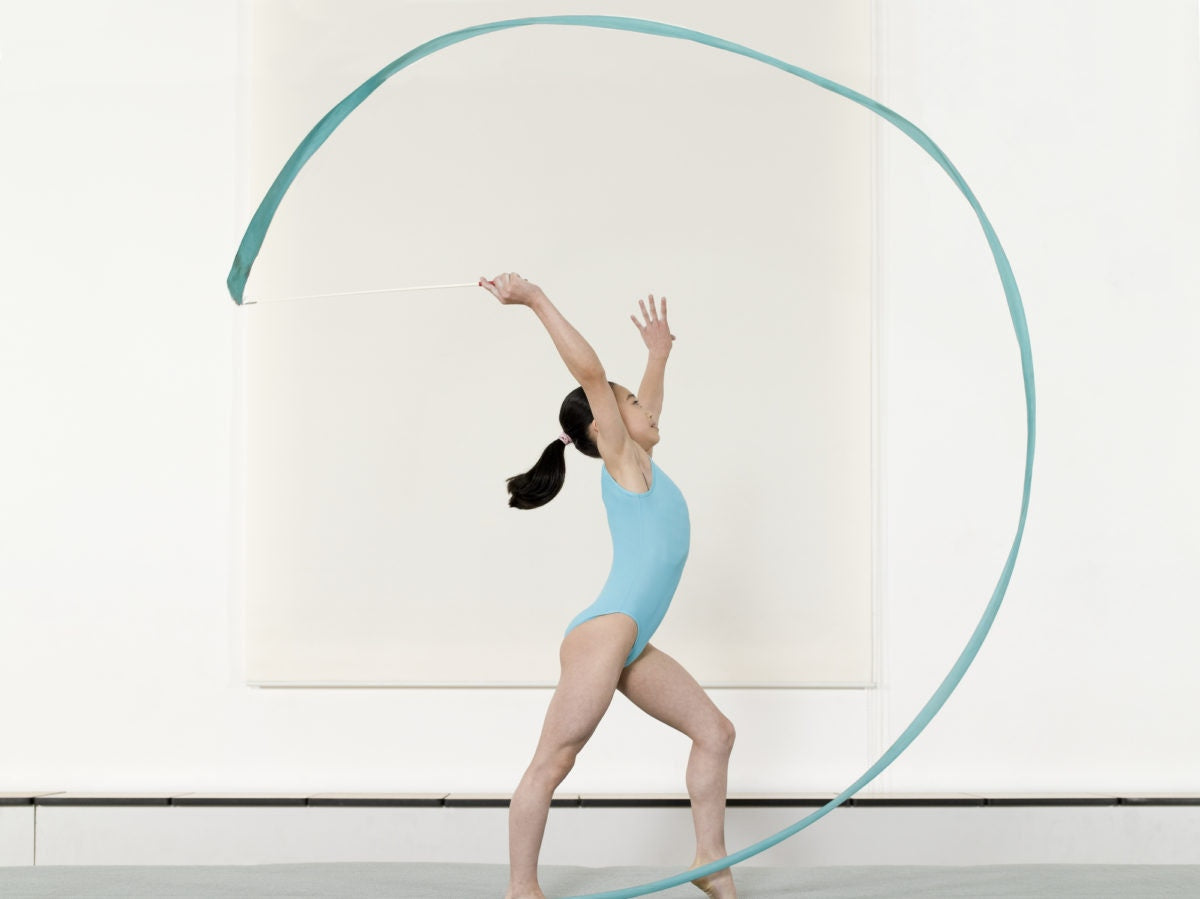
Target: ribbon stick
point(253, 238)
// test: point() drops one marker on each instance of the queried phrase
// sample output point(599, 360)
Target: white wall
point(1074, 124)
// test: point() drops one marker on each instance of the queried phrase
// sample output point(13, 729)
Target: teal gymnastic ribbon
point(253, 238)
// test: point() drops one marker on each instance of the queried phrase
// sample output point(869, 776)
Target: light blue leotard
point(651, 535)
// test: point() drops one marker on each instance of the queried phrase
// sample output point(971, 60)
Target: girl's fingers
point(652, 315)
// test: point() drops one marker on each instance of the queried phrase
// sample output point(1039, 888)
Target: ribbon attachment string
point(356, 293)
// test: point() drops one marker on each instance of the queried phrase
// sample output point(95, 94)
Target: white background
point(1075, 124)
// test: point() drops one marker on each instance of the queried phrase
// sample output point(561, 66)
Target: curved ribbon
point(253, 238)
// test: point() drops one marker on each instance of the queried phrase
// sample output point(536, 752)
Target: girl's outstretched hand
point(511, 289)
point(656, 332)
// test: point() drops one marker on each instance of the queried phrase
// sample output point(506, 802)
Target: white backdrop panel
point(604, 166)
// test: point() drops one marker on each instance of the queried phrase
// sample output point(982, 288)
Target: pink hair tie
point(564, 438)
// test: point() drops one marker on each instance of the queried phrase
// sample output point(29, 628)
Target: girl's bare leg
point(527, 815)
point(661, 687)
point(592, 656)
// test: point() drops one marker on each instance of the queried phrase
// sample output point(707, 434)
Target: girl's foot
point(534, 893)
point(718, 885)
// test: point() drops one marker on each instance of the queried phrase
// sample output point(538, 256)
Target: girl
point(606, 647)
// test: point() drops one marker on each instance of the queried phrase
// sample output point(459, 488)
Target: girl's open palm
point(656, 333)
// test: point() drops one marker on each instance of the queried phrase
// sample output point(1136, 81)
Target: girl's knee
point(553, 767)
point(722, 734)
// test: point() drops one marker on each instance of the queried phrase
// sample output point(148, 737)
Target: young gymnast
point(607, 646)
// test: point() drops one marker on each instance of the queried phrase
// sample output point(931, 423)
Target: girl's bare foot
point(718, 885)
point(535, 893)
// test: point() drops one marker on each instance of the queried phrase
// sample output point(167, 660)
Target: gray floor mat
point(467, 881)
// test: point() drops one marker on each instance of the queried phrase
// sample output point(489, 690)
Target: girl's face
point(639, 421)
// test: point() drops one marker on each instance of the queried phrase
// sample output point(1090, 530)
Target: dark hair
point(542, 483)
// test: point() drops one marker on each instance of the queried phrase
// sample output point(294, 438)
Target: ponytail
point(541, 483)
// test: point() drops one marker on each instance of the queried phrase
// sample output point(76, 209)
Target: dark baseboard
point(596, 800)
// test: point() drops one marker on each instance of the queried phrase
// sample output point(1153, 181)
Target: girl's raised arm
point(582, 361)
